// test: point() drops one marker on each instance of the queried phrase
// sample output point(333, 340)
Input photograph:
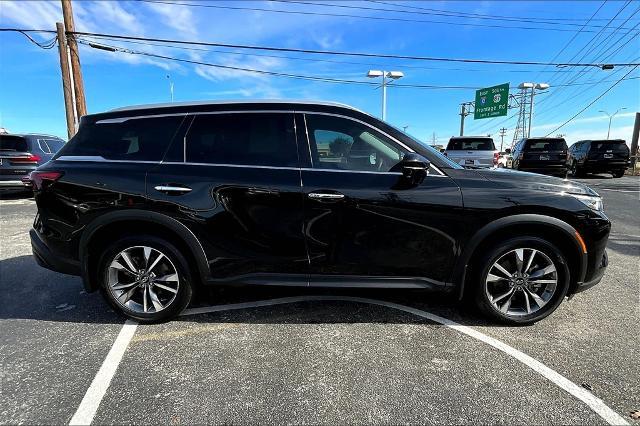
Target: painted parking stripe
point(89, 406)
point(92, 398)
point(593, 402)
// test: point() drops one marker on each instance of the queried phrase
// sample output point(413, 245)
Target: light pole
point(533, 87)
point(170, 86)
point(610, 119)
point(393, 75)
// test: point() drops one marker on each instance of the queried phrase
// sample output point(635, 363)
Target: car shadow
point(33, 293)
point(15, 195)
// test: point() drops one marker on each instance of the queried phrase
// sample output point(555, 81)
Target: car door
point(234, 180)
point(363, 225)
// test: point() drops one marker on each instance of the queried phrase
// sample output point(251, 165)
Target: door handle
point(323, 196)
point(172, 189)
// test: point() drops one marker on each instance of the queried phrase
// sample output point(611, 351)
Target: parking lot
point(319, 356)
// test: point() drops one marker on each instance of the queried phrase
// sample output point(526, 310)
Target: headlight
point(593, 202)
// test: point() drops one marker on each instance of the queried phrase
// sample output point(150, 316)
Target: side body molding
point(145, 216)
point(463, 263)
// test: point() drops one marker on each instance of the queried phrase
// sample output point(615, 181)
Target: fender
point(147, 216)
point(462, 265)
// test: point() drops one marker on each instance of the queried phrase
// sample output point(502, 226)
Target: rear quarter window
point(141, 139)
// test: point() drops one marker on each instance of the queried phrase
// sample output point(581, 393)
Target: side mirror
point(414, 168)
point(507, 151)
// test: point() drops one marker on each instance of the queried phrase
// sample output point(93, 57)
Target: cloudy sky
point(31, 96)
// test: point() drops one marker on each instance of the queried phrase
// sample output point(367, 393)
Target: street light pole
point(170, 86)
point(394, 75)
point(611, 119)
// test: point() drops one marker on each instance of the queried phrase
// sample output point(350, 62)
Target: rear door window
point(142, 139)
point(251, 139)
point(53, 145)
point(470, 144)
point(13, 143)
point(537, 145)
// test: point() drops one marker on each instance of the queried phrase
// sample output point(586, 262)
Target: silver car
point(473, 151)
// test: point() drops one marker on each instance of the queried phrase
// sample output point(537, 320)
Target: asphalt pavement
point(319, 361)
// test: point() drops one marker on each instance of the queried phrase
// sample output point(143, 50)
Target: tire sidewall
point(183, 296)
point(500, 249)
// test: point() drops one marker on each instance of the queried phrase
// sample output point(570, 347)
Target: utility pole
point(66, 80)
point(434, 139)
point(634, 143)
point(81, 105)
point(503, 133)
point(463, 114)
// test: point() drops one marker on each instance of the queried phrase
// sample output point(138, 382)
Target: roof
point(232, 102)
point(474, 137)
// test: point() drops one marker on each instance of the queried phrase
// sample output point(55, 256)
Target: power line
point(431, 12)
point(337, 53)
point(475, 15)
point(344, 53)
point(333, 61)
point(343, 15)
point(265, 72)
point(46, 45)
point(591, 103)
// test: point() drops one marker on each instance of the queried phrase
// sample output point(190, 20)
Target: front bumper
point(47, 259)
point(596, 275)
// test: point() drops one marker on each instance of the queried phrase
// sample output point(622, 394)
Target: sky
point(31, 97)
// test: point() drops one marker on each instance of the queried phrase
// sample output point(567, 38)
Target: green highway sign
point(491, 102)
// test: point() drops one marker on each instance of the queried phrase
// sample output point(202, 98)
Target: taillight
point(496, 156)
point(43, 178)
point(29, 158)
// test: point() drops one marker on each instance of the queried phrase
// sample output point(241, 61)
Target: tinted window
point(13, 143)
point(343, 144)
point(260, 139)
point(471, 144)
point(619, 147)
point(546, 145)
point(144, 139)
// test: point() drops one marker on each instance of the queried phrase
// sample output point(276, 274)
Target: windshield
point(471, 144)
point(441, 156)
point(546, 145)
point(13, 143)
point(614, 146)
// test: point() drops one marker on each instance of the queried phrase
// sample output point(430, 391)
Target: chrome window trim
point(138, 117)
point(100, 159)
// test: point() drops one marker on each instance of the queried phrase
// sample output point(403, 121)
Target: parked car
point(505, 159)
point(541, 155)
point(148, 203)
point(473, 151)
point(21, 154)
point(599, 156)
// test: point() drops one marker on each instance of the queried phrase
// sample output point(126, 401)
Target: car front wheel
point(522, 280)
point(145, 278)
point(617, 173)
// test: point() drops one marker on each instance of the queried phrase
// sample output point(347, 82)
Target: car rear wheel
point(521, 280)
point(575, 170)
point(617, 173)
point(145, 278)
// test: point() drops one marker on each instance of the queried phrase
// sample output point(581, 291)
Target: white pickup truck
point(473, 151)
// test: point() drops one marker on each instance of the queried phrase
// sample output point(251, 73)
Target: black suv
point(149, 203)
point(21, 154)
point(541, 155)
point(599, 156)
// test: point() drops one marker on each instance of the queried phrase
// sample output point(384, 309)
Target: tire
point(489, 293)
point(165, 298)
point(575, 170)
point(617, 173)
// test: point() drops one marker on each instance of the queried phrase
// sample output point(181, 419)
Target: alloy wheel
point(143, 279)
point(521, 282)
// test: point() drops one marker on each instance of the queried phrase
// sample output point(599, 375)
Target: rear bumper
point(12, 185)
point(45, 258)
point(605, 166)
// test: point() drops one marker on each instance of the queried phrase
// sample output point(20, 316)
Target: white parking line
point(91, 401)
point(92, 398)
